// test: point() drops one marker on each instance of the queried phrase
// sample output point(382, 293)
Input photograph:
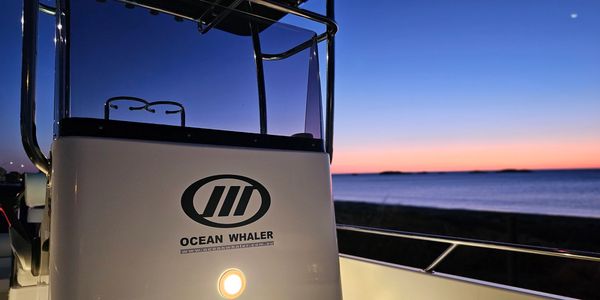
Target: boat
point(191, 159)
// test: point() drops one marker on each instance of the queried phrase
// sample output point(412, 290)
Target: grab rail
point(108, 105)
point(457, 242)
point(28, 72)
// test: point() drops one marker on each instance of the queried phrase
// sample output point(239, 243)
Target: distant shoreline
point(470, 172)
point(499, 171)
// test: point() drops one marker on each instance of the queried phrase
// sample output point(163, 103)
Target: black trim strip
point(167, 133)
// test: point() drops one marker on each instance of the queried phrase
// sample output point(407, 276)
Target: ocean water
point(565, 192)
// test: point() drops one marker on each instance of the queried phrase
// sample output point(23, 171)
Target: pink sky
point(465, 156)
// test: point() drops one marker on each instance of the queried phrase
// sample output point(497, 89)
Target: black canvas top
point(208, 10)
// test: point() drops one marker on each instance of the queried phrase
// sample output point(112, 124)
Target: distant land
point(403, 173)
point(499, 171)
point(470, 172)
point(503, 171)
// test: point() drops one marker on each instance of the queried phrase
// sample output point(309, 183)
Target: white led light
point(232, 283)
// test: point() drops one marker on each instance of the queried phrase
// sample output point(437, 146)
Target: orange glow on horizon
point(466, 157)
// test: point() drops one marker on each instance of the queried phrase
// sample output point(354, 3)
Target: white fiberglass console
point(147, 220)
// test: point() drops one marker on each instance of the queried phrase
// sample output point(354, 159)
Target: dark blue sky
point(426, 84)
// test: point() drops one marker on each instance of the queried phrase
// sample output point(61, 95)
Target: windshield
point(132, 63)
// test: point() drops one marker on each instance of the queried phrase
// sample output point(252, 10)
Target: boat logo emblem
point(251, 191)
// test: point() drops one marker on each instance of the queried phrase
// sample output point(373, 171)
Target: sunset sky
point(462, 85)
point(425, 85)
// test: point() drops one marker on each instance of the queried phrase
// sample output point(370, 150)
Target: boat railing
point(455, 242)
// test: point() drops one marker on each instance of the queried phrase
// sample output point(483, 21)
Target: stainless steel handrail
point(456, 242)
point(295, 49)
point(145, 106)
point(330, 96)
point(28, 73)
point(332, 29)
point(329, 35)
point(47, 9)
point(260, 75)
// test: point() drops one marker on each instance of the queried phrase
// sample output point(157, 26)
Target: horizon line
point(471, 170)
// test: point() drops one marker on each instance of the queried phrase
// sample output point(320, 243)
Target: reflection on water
point(567, 192)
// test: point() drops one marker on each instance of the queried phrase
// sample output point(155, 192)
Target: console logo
point(215, 186)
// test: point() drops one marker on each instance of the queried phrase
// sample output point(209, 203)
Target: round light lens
point(232, 283)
